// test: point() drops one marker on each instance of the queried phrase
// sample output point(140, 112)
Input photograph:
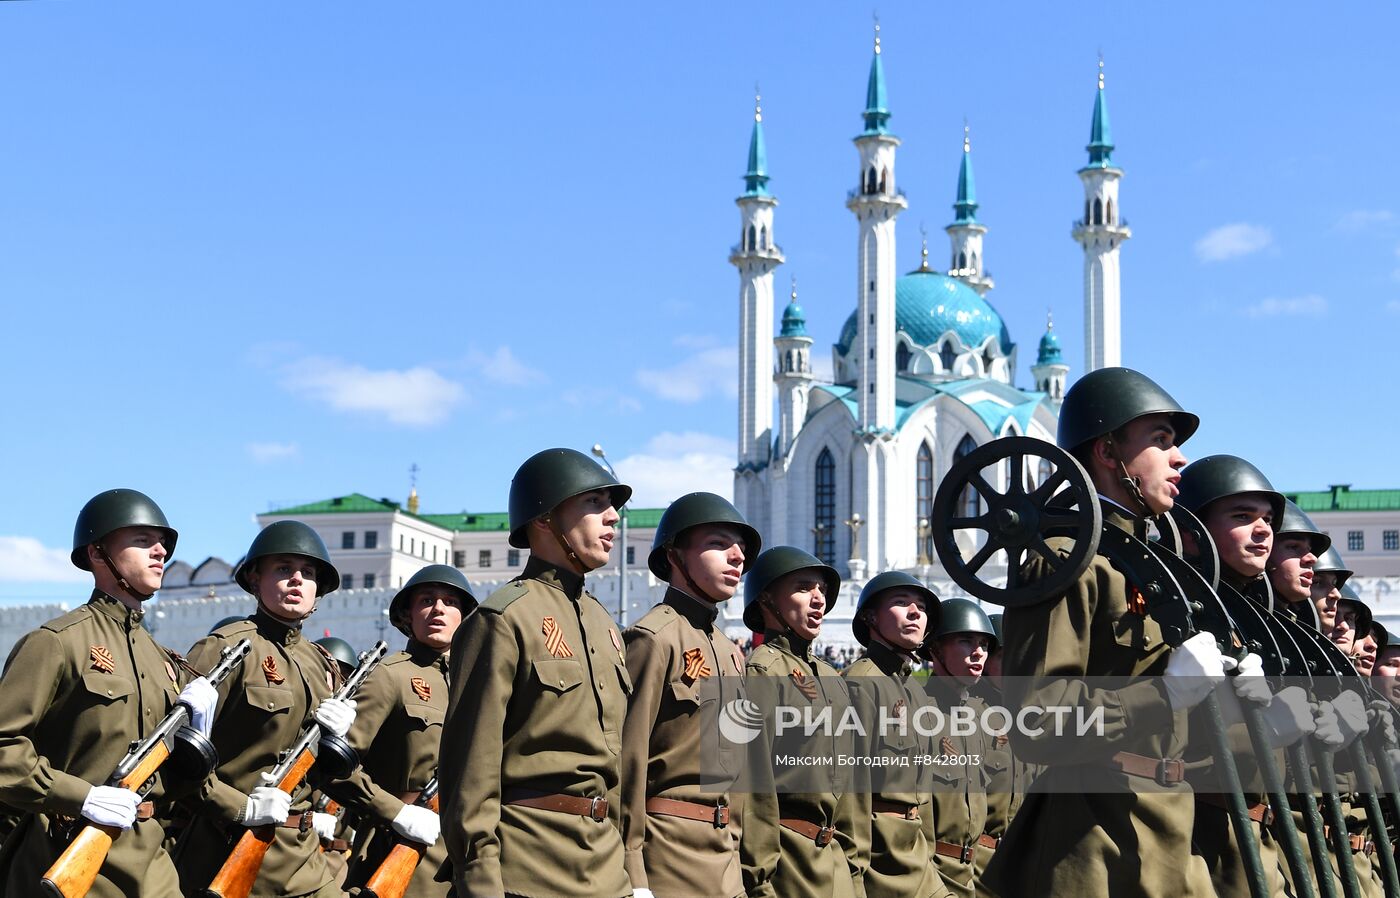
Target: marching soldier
point(1125, 789)
point(531, 745)
point(797, 839)
point(1330, 574)
point(284, 684)
point(77, 692)
point(681, 837)
point(1298, 544)
point(894, 823)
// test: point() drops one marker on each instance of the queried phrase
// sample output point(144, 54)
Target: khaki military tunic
point(959, 783)
point(397, 732)
point(263, 707)
point(1090, 829)
point(779, 862)
point(539, 691)
point(1007, 775)
point(75, 693)
point(896, 848)
point(683, 669)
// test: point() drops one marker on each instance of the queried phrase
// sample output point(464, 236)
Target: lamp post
point(622, 557)
point(856, 565)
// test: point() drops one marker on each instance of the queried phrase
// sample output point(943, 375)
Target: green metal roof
point(1344, 498)
point(756, 178)
point(1100, 137)
point(465, 521)
point(966, 205)
point(461, 522)
point(877, 111)
point(355, 503)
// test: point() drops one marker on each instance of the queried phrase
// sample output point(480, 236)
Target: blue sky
point(259, 253)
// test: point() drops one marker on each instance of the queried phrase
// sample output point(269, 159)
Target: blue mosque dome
point(794, 321)
point(928, 305)
point(1049, 347)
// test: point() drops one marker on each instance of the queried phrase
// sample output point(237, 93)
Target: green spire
point(1100, 138)
point(966, 205)
point(877, 112)
point(756, 178)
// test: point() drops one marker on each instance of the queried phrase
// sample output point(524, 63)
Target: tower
point(793, 373)
point(965, 233)
point(1101, 232)
point(1050, 371)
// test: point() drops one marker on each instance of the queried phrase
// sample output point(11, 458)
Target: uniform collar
point(567, 582)
point(700, 613)
point(113, 608)
point(890, 661)
point(1120, 517)
point(276, 630)
point(424, 655)
point(789, 643)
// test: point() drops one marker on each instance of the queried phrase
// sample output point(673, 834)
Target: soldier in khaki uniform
point(329, 817)
point(531, 746)
point(284, 685)
point(796, 844)
point(77, 692)
point(894, 818)
point(681, 837)
point(398, 730)
point(1098, 799)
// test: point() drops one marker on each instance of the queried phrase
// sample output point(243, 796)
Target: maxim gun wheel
point(1177, 530)
point(1017, 521)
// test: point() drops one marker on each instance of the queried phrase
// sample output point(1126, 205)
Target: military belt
point(1359, 843)
point(1259, 811)
point(145, 810)
point(335, 845)
point(822, 835)
point(595, 809)
point(961, 853)
point(895, 808)
point(987, 841)
point(1163, 771)
point(714, 814)
point(301, 822)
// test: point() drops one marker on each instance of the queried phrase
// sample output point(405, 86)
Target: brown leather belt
point(962, 853)
point(987, 841)
point(1359, 843)
point(1163, 771)
point(300, 822)
point(335, 845)
point(822, 835)
point(145, 810)
point(1259, 811)
point(895, 808)
point(717, 815)
point(595, 809)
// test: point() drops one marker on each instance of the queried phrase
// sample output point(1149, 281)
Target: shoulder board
point(500, 600)
point(233, 629)
point(657, 619)
point(63, 622)
point(859, 667)
point(763, 658)
point(396, 658)
point(823, 669)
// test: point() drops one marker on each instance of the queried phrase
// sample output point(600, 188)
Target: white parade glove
point(1351, 716)
point(1328, 731)
point(200, 698)
point(1381, 720)
point(267, 804)
point(336, 715)
point(1249, 681)
point(1288, 717)
point(324, 824)
point(642, 893)
point(418, 824)
point(1193, 670)
point(111, 806)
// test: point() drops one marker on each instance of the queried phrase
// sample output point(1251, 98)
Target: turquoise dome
point(1050, 349)
point(794, 321)
point(928, 305)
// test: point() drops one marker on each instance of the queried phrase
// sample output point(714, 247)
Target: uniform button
point(109, 692)
point(269, 705)
point(561, 682)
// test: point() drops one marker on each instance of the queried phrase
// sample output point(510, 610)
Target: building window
point(369, 581)
point(459, 559)
point(347, 581)
point(412, 546)
point(400, 542)
point(947, 356)
point(512, 558)
point(371, 539)
point(631, 555)
point(434, 553)
point(824, 527)
point(1390, 540)
point(969, 503)
point(901, 357)
point(347, 539)
point(924, 492)
point(1356, 541)
point(483, 558)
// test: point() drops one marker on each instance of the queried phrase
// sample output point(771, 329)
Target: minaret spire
point(966, 232)
point(877, 112)
point(756, 178)
point(1100, 136)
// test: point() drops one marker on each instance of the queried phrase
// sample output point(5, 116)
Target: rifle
point(73, 874)
point(236, 877)
point(391, 879)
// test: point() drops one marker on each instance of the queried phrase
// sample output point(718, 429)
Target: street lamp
point(923, 542)
point(622, 556)
point(855, 523)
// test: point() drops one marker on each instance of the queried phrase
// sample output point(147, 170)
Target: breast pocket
point(558, 676)
point(104, 689)
point(268, 699)
point(421, 715)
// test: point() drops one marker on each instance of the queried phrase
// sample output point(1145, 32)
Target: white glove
point(267, 804)
point(418, 824)
point(1249, 681)
point(200, 698)
point(1381, 720)
point(1193, 670)
point(111, 806)
point(642, 893)
point(324, 824)
point(336, 715)
point(1351, 716)
point(1327, 730)
point(1288, 717)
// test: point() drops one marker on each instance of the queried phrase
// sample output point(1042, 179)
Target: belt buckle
point(967, 853)
point(1268, 815)
point(824, 836)
point(305, 823)
point(593, 810)
point(1163, 774)
point(721, 816)
point(912, 813)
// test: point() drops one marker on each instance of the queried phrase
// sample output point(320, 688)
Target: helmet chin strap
point(122, 583)
point(675, 556)
point(574, 561)
point(1130, 484)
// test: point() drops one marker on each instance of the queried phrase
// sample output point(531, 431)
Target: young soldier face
point(798, 600)
point(138, 555)
point(1147, 448)
point(1365, 659)
point(1242, 529)
point(286, 586)
point(900, 619)
point(713, 555)
point(1344, 630)
point(587, 521)
point(1325, 596)
point(1385, 676)
point(433, 615)
point(1291, 568)
point(964, 656)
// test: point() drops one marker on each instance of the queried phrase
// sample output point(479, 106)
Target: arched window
point(824, 525)
point(962, 262)
point(974, 261)
point(763, 237)
point(1098, 211)
point(1108, 211)
point(947, 356)
point(885, 181)
point(870, 181)
point(901, 356)
point(1087, 209)
point(969, 503)
point(924, 492)
point(753, 238)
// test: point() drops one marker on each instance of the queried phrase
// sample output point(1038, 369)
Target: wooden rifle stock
point(392, 877)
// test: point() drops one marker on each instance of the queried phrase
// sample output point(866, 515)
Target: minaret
point(1101, 232)
point(793, 373)
point(756, 255)
point(876, 202)
point(1050, 371)
point(966, 231)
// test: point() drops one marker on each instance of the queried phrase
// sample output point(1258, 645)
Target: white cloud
point(673, 464)
point(1360, 219)
point(503, 367)
point(695, 377)
point(1232, 241)
point(24, 559)
point(1310, 306)
point(263, 453)
point(414, 397)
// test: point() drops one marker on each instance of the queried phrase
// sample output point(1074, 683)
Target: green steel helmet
point(113, 510)
point(1296, 521)
point(887, 581)
point(1218, 476)
point(548, 478)
point(1364, 618)
point(1102, 401)
point(1330, 562)
point(964, 616)
point(692, 510)
point(442, 574)
point(232, 619)
point(996, 620)
point(340, 650)
point(775, 563)
point(289, 538)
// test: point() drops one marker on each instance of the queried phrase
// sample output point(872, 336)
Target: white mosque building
point(924, 369)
